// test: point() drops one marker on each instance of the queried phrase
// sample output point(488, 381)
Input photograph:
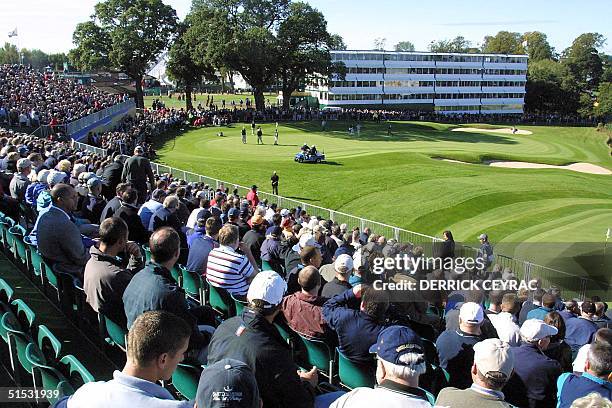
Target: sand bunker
point(507, 131)
point(579, 167)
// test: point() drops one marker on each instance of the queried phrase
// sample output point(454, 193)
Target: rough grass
point(393, 179)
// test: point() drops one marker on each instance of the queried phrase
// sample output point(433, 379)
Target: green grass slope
point(397, 180)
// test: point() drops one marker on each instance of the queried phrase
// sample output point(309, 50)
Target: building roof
point(425, 53)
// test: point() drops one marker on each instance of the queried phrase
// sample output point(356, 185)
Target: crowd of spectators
point(30, 98)
point(90, 216)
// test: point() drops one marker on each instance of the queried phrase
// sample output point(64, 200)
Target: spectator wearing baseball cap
point(357, 329)
point(400, 361)
point(343, 265)
point(253, 339)
point(535, 375)
point(20, 181)
point(580, 331)
point(455, 346)
point(203, 211)
point(227, 384)
point(492, 368)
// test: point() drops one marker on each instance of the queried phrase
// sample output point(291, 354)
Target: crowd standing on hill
point(92, 218)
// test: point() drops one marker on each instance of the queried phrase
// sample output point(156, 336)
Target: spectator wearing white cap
point(400, 361)
point(253, 339)
point(455, 346)
point(343, 266)
point(535, 375)
point(20, 181)
point(492, 368)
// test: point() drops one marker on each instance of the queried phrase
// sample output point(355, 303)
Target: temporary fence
point(522, 269)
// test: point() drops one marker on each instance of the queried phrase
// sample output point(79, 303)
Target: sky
point(48, 24)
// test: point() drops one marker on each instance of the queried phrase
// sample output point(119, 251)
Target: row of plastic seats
point(34, 352)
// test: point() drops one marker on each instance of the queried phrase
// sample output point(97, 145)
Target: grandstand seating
point(185, 380)
point(353, 375)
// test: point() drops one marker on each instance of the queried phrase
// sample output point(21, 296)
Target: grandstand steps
point(74, 341)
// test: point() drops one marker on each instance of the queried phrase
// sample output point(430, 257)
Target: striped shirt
point(229, 270)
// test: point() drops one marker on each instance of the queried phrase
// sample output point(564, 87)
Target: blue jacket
point(456, 353)
point(579, 332)
point(533, 383)
point(571, 387)
point(357, 331)
point(199, 248)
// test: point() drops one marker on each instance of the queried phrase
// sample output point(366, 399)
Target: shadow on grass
point(400, 132)
point(307, 199)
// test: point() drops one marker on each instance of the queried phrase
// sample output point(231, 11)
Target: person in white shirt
point(505, 321)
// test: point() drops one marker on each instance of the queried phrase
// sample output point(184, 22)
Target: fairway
point(399, 179)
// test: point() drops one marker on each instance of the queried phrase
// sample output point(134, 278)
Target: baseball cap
point(139, 149)
point(536, 329)
point(319, 228)
point(23, 150)
point(233, 212)
point(24, 163)
point(56, 177)
point(228, 383)
point(93, 181)
point(483, 236)
point(253, 187)
point(395, 341)
point(257, 220)
point(471, 313)
point(343, 264)
point(305, 240)
point(284, 212)
point(267, 286)
point(42, 175)
point(158, 193)
point(493, 355)
point(274, 231)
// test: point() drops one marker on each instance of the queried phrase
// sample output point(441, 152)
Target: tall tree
point(404, 46)
point(603, 106)
point(127, 35)
point(379, 43)
point(550, 88)
point(182, 67)
point(338, 42)
point(9, 54)
point(583, 60)
point(537, 46)
point(57, 60)
point(305, 44)
point(240, 35)
point(458, 44)
point(504, 42)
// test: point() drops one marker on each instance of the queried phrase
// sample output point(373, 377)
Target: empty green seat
point(35, 258)
point(239, 304)
point(185, 380)
point(319, 354)
point(221, 301)
point(16, 330)
point(16, 244)
point(6, 295)
point(193, 284)
point(5, 224)
point(285, 331)
point(114, 334)
point(353, 374)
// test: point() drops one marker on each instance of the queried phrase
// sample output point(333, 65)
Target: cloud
point(498, 23)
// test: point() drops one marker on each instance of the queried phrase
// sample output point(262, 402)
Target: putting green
point(395, 179)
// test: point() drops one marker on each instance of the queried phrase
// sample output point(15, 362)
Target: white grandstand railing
point(75, 126)
point(522, 269)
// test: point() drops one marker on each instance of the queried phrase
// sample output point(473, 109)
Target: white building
point(447, 83)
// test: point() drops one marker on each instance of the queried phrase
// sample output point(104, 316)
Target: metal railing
point(523, 270)
point(75, 126)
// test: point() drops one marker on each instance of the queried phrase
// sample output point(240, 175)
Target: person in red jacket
point(252, 196)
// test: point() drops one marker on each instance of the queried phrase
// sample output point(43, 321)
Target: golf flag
point(13, 33)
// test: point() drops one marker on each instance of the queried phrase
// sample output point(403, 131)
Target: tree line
point(9, 54)
point(284, 42)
